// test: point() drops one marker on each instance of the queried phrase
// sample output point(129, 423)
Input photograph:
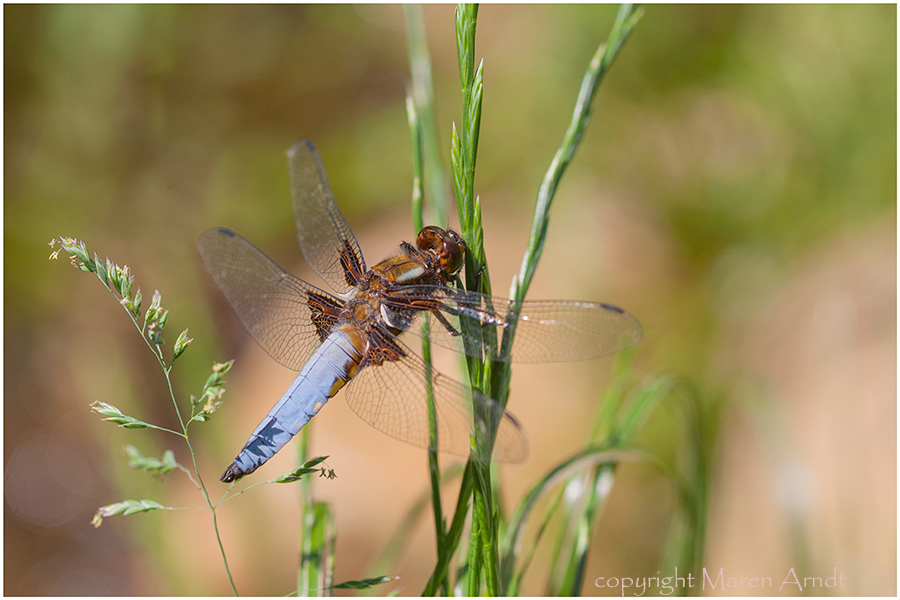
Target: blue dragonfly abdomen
point(333, 364)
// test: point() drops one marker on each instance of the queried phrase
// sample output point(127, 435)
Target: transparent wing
point(545, 330)
point(391, 397)
point(328, 245)
point(284, 314)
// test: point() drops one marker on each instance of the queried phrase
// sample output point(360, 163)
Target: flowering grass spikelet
point(125, 507)
point(181, 344)
point(149, 464)
point(210, 398)
point(114, 415)
point(119, 281)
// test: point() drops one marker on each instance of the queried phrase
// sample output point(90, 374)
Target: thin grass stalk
point(434, 472)
point(304, 499)
point(571, 555)
point(215, 520)
point(119, 282)
point(200, 482)
point(317, 551)
point(415, 135)
point(313, 575)
point(626, 19)
point(686, 543)
point(511, 580)
point(427, 170)
point(599, 484)
point(701, 440)
point(464, 153)
point(422, 92)
point(454, 532)
point(559, 474)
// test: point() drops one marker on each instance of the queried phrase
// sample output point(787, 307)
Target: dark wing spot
point(383, 348)
point(324, 310)
point(226, 231)
point(351, 263)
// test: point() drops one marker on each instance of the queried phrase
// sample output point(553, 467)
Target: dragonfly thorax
point(365, 306)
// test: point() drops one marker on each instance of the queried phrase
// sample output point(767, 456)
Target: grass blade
point(420, 67)
point(422, 98)
point(583, 512)
point(576, 464)
point(626, 20)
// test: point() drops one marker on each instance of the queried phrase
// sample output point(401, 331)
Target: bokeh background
point(736, 191)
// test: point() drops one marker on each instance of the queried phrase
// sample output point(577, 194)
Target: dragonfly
point(356, 336)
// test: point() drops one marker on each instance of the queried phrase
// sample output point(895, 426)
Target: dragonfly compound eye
point(454, 251)
point(430, 239)
point(445, 244)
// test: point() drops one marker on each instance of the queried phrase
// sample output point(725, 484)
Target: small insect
point(355, 335)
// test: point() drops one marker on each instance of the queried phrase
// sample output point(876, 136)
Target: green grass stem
point(434, 473)
point(422, 94)
point(120, 283)
point(483, 564)
point(488, 376)
point(559, 474)
point(570, 554)
point(626, 20)
point(317, 551)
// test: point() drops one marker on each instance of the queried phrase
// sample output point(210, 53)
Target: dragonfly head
point(446, 245)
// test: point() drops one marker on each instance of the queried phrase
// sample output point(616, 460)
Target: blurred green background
point(736, 191)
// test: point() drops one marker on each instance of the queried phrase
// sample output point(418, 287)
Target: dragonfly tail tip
point(232, 473)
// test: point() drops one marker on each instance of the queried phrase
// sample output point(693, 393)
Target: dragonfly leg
point(443, 321)
point(478, 276)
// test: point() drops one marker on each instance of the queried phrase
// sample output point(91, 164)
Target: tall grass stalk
point(315, 572)
point(434, 472)
point(421, 94)
point(427, 171)
point(483, 552)
point(626, 20)
point(489, 376)
point(119, 282)
point(317, 551)
point(317, 555)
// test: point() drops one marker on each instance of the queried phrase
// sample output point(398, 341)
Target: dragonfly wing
point(326, 240)
point(562, 331)
point(545, 330)
point(391, 396)
point(285, 315)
